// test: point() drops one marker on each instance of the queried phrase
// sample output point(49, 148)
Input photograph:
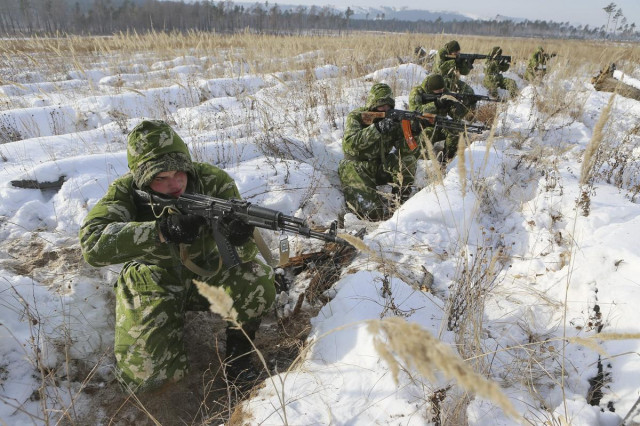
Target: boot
point(239, 368)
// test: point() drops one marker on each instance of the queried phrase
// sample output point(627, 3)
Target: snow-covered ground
point(525, 258)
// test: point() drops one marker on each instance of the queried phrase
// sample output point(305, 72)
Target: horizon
point(587, 12)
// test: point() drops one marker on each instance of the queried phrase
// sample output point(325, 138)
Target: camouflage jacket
point(419, 100)
point(119, 228)
point(443, 64)
point(493, 67)
point(362, 142)
point(538, 60)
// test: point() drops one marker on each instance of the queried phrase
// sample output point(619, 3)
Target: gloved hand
point(235, 230)
point(385, 125)
point(179, 228)
point(446, 101)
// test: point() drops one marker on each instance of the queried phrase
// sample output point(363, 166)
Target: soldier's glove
point(385, 125)
point(235, 230)
point(446, 101)
point(179, 228)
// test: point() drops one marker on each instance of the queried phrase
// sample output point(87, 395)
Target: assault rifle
point(431, 120)
point(462, 97)
point(473, 56)
point(470, 57)
point(214, 209)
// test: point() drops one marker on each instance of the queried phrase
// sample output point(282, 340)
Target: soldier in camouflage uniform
point(375, 154)
point(451, 68)
point(537, 66)
point(154, 288)
point(431, 97)
point(493, 78)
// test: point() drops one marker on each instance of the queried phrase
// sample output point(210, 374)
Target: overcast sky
point(575, 11)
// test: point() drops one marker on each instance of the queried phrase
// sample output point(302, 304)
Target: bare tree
point(616, 17)
point(609, 10)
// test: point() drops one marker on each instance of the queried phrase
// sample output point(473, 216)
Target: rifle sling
point(262, 247)
point(188, 263)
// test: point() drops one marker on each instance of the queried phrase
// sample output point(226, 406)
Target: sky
point(585, 12)
point(505, 208)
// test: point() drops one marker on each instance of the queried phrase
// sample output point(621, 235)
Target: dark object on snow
point(34, 184)
point(605, 82)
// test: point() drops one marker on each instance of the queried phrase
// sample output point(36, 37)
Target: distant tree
point(609, 9)
point(616, 18)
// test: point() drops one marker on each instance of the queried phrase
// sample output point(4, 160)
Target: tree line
point(104, 17)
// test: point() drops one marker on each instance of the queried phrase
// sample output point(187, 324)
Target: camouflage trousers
point(533, 75)
point(450, 139)
point(151, 302)
point(359, 180)
point(459, 86)
point(494, 81)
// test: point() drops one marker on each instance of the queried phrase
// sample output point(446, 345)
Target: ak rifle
point(216, 209)
point(471, 57)
point(427, 119)
point(462, 97)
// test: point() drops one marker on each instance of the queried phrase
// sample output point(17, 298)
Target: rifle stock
point(213, 209)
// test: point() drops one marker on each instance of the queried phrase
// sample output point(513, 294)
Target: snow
point(541, 267)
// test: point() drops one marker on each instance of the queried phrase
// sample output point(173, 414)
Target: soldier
point(451, 68)
point(374, 155)
point(537, 67)
point(155, 288)
point(493, 78)
point(431, 97)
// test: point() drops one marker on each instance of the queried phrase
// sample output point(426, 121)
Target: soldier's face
point(383, 108)
point(172, 183)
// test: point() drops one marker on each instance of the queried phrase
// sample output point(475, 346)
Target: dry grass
point(409, 345)
point(361, 52)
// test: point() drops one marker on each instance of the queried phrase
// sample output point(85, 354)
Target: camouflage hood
point(452, 46)
point(380, 94)
point(433, 82)
point(154, 147)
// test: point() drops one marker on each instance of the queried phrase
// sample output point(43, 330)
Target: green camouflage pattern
point(418, 101)
point(372, 159)
point(150, 312)
point(154, 289)
point(154, 147)
point(453, 83)
point(379, 94)
point(444, 65)
point(493, 78)
point(536, 68)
